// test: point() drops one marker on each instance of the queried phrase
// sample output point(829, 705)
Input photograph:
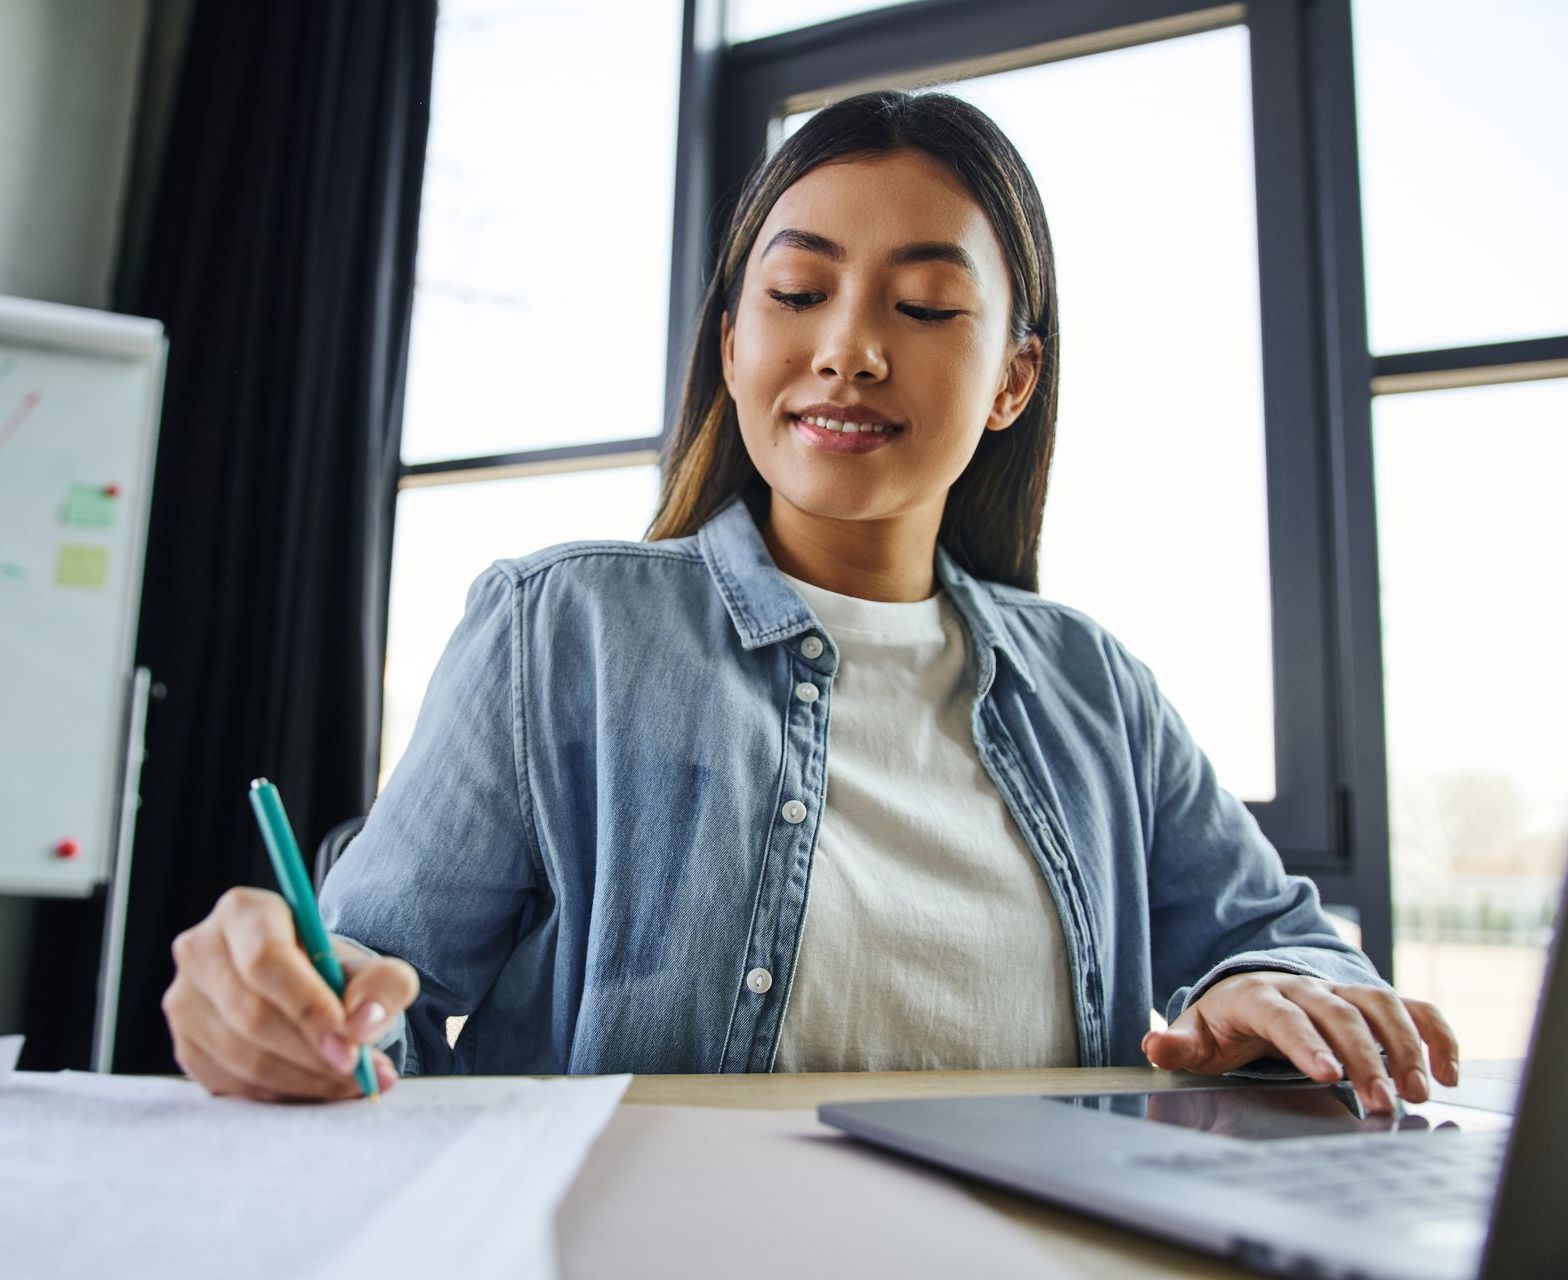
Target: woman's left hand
point(1318, 1025)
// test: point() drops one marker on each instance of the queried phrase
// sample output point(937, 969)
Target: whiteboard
point(80, 392)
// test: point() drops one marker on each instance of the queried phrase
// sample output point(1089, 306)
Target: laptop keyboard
point(1359, 1176)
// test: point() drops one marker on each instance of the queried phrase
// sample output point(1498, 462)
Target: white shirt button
point(811, 647)
point(806, 691)
point(794, 811)
point(759, 980)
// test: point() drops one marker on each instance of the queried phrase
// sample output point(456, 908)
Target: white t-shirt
point(931, 939)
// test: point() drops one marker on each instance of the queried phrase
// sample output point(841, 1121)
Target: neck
point(889, 558)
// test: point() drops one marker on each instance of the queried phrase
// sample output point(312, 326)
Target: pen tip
point(257, 782)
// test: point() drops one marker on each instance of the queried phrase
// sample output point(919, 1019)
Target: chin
point(832, 500)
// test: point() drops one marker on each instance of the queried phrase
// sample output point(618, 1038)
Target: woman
point(602, 840)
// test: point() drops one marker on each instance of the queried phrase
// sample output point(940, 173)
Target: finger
point(1442, 1044)
point(258, 930)
point(1292, 1034)
point(256, 1067)
point(1347, 1033)
point(253, 1017)
point(1190, 1044)
point(378, 990)
point(1385, 1014)
point(386, 1073)
point(1185, 1045)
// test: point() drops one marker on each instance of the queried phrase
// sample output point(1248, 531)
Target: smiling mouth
point(849, 430)
point(825, 440)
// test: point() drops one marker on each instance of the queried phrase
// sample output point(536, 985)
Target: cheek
point(764, 346)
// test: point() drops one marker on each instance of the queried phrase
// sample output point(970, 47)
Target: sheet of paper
point(136, 1176)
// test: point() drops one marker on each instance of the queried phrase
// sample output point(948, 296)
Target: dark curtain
point(280, 259)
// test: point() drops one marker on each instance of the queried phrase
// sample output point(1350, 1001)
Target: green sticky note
point(89, 504)
point(82, 566)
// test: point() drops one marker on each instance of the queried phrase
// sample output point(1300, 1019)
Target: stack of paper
point(131, 1176)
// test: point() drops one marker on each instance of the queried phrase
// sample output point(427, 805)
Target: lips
point(842, 441)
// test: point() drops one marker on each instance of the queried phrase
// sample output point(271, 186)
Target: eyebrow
point(919, 251)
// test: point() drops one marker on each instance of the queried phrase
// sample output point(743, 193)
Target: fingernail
point(1330, 1063)
point(1416, 1087)
point(1384, 1094)
point(338, 1052)
point(367, 1020)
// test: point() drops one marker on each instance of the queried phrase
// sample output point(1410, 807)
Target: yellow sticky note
point(82, 566)
point(89, 504)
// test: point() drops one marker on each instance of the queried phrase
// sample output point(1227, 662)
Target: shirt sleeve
point(1220, 900)
point(447, 860)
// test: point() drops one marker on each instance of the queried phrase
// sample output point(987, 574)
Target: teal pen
point(290, 870)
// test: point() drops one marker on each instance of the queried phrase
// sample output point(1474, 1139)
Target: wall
point(70, 85)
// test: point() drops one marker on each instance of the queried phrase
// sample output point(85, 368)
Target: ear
point(1017, 384)
point(727, 351)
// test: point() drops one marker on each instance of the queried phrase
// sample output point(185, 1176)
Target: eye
point(926, 316)
point(800, 301)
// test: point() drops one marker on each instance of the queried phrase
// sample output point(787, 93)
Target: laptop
point(1287, 1179)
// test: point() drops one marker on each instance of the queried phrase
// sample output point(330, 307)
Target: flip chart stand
point(109, 960)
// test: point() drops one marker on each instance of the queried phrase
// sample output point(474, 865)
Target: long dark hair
point(991, 523)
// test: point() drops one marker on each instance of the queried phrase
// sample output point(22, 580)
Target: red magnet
point(111, 490)
point(67, 849)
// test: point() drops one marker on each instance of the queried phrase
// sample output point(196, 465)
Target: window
point(534, 261)
point(1463, 172)
point(1472, 531)
point(1464, 191)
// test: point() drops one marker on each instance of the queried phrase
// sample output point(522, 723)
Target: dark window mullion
point(1347, 370)
point(1301, 820)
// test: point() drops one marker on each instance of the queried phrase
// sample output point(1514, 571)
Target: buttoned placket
point(774, 940)
point(1031, 813)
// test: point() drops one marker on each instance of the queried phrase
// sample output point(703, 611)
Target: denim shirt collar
point(765, 608)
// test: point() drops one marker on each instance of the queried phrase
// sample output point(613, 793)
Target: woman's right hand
point(251, 1017)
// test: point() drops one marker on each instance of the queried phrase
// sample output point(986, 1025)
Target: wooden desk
point(773, 1238)
point(710, 1176)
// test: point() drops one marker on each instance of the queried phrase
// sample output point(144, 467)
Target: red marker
point(67, 849)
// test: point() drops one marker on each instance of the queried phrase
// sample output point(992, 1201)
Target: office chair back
point(331, 848)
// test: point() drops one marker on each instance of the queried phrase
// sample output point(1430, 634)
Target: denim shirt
point(598, 843)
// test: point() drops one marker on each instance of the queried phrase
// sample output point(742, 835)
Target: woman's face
point(846, 302)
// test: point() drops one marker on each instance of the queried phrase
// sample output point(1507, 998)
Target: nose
point(852, 350)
